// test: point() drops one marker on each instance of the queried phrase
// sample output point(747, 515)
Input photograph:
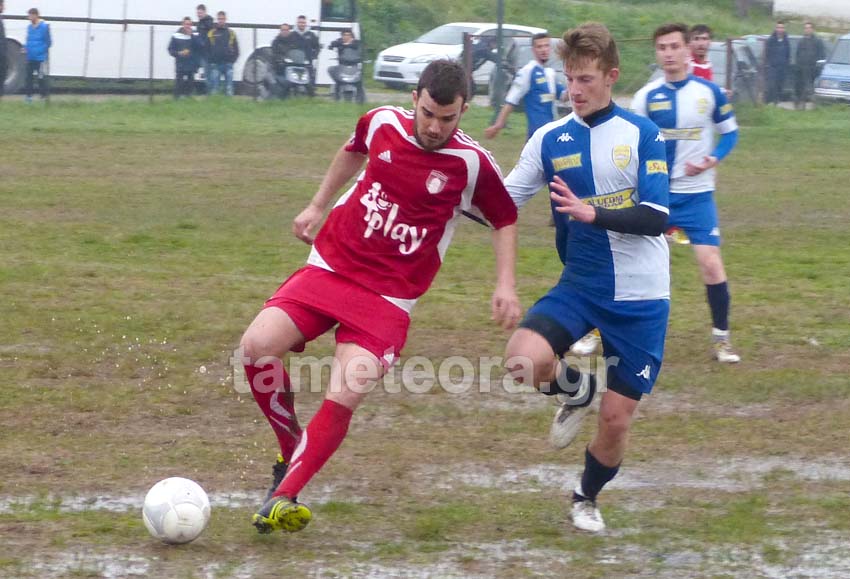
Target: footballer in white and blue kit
point(535, 87)
point(691, 111)
point(606, 169)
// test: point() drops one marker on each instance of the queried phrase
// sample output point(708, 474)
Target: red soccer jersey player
point(379, 250)
point(699, 42)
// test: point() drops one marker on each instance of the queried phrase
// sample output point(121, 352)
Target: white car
point(403, 63)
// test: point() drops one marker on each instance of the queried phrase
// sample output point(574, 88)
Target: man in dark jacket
point(205, 24)
point(184, 47)
point(224, 51)
point(345, 44)
point(777, 57)
point(809, 51)
point(285, 41)
point(311, 47)
point(2, 52)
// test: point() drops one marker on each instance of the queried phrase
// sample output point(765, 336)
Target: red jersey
point(390, 231)
point(702, 69)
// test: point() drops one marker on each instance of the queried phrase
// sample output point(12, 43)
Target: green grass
point(137, 242)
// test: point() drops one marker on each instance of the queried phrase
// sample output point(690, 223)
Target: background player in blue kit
point(536, 87)
point(607, 171)
point(689, 110)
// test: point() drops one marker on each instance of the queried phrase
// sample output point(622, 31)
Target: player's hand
point(568, 203)
point(506, 308)
point(693, 169)
point(304, 223)
point(492, 131)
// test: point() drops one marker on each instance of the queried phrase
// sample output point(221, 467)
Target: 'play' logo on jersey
point(435, 182)
point(381, 216)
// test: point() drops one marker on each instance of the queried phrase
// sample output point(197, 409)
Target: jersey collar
point(598, 117)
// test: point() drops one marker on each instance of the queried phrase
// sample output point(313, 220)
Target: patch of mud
point(76, 564)
point(733, 474)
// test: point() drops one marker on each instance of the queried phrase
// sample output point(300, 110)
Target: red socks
point(319, 441)
point(272, 390)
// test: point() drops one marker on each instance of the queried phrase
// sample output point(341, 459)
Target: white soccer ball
point(176, 510)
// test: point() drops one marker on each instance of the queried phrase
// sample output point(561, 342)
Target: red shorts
point(317, 299)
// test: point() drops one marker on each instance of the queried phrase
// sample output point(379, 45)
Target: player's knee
point(527, 370)
point(614, 423)
point(254, 346)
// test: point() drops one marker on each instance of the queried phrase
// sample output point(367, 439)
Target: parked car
point(833, 83)
point(518, 54)
point(403, 63)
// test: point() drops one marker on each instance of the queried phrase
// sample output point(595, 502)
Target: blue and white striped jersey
point(538, 89)
point(616, 162)
point(688, 113)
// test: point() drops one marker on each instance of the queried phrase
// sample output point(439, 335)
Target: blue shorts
point(696, 214)
point(633, 332)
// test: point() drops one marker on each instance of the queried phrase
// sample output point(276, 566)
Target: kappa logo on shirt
point(659, 96)
point(381, 217)
point(565, 138)
point(385, 156)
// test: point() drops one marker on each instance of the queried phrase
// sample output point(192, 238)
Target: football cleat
point(587, 345)
point(568, 419)
point(676, 236)
point(278, 472)
point(586, 516)
point(281, 514)
point(723, 351)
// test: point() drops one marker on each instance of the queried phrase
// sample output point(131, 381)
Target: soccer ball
point(176, 510)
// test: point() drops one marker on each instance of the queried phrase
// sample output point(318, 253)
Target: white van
point(110, 39)
point(403, 63)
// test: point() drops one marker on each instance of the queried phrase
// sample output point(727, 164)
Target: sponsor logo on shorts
point(656, 167)
point(568, 162)
point(694, 134)
point(381, 216)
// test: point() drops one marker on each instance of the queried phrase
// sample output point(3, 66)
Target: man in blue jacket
point(37, 48)
point(186, 49)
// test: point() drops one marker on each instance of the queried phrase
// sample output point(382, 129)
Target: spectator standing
point(38, 49)
point(809, 51)
point(185, 48)
point(777, 57)
point(223, 52)
point(311, 48)
point(205, 24)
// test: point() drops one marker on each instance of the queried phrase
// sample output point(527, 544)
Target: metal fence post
point(256, 82)
point(150, 70)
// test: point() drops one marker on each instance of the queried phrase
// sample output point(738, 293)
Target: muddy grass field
point(137, 242)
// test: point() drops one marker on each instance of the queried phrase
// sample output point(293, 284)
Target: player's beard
point(431, 144)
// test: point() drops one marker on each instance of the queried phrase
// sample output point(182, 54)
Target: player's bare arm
point(493, 130)
point(505, 303)
point(570, 204)
point(343, 168)
point(694, 169)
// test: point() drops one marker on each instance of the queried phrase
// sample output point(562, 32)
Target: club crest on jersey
point(621, 155)
point(381, 216)
point(702, 105)
point(435, 182)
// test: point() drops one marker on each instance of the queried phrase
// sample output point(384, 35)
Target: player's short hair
point(201, 7)
point(445, 80)
point(589, 42)
point(670, 28)
point(33, 11)
point(539, 36)
point(700, 29)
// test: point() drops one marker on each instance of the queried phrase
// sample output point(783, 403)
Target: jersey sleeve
point(491, 197)
point(359, 141)
point(724, 113)
point(520, 86)
point(528, 176)
point(653, 179)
